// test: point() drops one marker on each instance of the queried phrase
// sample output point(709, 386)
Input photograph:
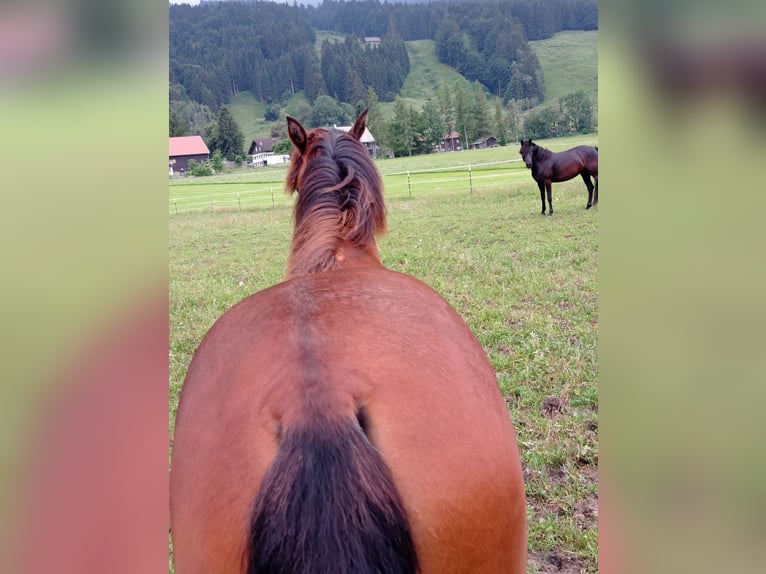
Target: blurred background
point(83, 397)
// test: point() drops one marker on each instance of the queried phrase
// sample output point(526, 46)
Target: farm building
point(182, 149)
point(367, 139)
point(263, 145)
point(484, 143)
point(451, 142)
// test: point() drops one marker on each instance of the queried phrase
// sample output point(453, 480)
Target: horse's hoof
point(587, 207)
point(551, 213)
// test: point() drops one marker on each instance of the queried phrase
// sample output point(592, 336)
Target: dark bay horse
point(548, 167)
point(346, 420)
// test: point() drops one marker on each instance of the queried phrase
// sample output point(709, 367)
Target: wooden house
point(451, 142)
point(182, 149)
point(367, 140)
point(482, 143)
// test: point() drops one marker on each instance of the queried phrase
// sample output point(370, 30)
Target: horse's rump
point(320, 347)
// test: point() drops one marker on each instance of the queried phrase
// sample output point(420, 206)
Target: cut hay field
point(525, 284)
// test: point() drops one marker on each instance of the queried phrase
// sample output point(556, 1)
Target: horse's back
point(365, 344)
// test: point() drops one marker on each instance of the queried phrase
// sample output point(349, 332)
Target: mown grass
point(569, 61)
point(525, 284)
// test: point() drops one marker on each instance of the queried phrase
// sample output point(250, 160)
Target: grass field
point(433, 173)
point(525, 284)
point(569, 61)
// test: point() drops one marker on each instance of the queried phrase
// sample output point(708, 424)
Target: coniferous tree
point(401, 136)
point(228, 137)
point(482, 124)
point(433, 126)
point(446, 108)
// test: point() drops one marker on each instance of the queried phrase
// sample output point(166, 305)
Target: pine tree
point(433, 125)
point(446, 108)
point(400, 129)
point(228, 137)
point(480, 113)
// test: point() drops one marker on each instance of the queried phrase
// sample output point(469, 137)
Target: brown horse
point(346, 420)
point(548, 167)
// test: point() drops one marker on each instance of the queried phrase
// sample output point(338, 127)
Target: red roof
point(452, 136)
point(187, 145)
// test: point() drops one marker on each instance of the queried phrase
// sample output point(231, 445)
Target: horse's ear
point(297, 134)
point(361, 122)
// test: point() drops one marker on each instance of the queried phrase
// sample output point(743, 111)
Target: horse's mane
point(539, 152)
point(340, 199)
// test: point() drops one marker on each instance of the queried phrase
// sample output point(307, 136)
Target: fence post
point(175, 203)
point(470, 180)
point(409, 186)
point(239, 203)
point(271, 189)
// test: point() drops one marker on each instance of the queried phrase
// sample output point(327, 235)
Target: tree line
point(466, 111)
point(218, 49)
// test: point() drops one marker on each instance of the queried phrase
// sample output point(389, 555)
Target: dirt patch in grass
point(555, 562)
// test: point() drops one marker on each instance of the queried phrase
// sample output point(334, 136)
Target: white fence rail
point(397, 185)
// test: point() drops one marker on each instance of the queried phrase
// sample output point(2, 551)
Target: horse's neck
point(331, 254)
point(348, 256)
point(540, 153)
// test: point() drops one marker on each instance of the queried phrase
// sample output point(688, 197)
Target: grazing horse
point(346, 420)
point(548, 167)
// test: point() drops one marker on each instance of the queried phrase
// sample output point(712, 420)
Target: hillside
point(570, 62)
point(425, 77)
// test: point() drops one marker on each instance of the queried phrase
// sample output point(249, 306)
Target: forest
point(218, 49)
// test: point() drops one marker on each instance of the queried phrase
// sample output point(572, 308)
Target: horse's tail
point(328, 505)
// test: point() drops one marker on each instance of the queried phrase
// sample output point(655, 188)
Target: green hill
point(570, 62)
point(425, 77)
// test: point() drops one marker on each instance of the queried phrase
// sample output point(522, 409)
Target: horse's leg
point(541, 185)
point(586, 178)
point(550, 198)
point(595, 193)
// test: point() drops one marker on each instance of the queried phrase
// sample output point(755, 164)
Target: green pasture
point(569, 61)
point(248, 188)
point(525, 284)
